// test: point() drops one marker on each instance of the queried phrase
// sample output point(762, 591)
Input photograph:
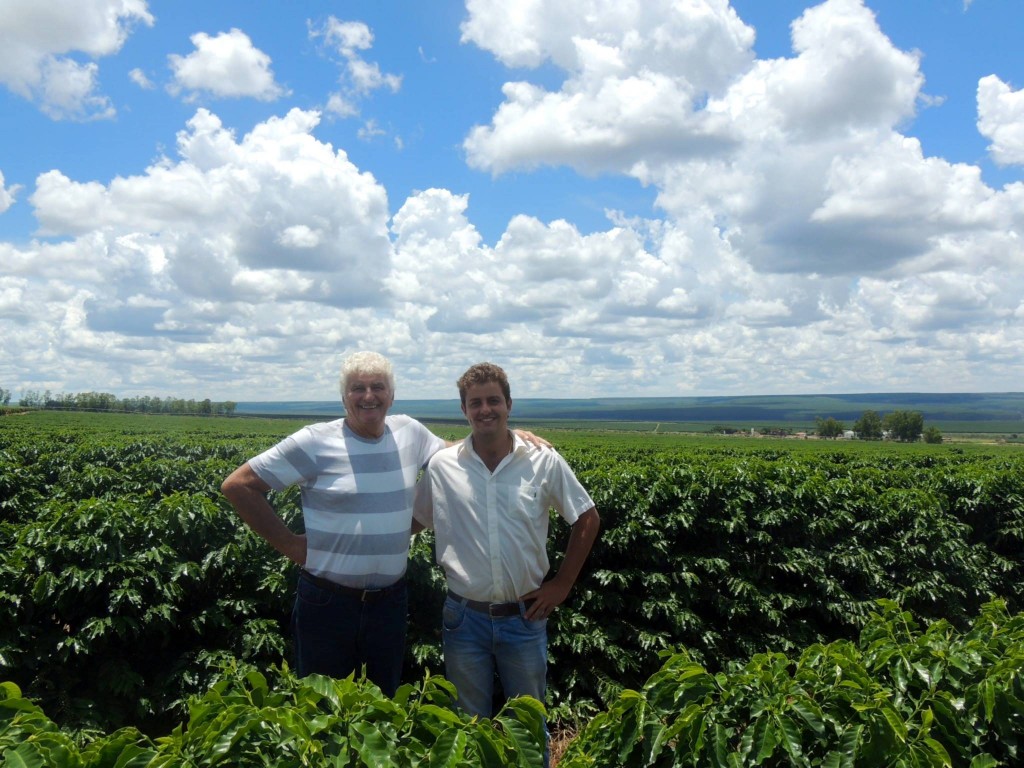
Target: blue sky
point(638, 199)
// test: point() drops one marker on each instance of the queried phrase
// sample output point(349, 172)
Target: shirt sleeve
point(285, 464)
point(568, 495)
point(428, 442)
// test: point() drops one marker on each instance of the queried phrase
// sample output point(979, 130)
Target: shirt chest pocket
point(523, 501)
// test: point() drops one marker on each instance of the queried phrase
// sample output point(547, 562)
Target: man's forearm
point(267, 524)
point(553, 593)
point(581, 541)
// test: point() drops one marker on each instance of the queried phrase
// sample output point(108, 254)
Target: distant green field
point(562, 436)
point(137, 423)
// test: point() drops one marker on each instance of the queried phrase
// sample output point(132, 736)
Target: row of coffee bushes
point(899, 696)
point(128, 582)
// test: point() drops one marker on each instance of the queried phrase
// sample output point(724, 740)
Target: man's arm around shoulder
point(423, 502)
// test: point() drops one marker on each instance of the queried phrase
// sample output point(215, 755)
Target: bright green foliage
point(319, 721)
point(125, 577)
point(128, 579)
point(28, 737)
point(729, 554)
point(315, 721)
point(899, 697)
point(868, 426)
point(829, 427)
point(904, 425)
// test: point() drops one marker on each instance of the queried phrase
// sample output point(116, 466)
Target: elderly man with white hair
point(357, 477)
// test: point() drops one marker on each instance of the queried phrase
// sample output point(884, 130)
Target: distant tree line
point(904, 426)
point(104, 401)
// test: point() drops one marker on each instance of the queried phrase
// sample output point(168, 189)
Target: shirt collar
point(467, 445)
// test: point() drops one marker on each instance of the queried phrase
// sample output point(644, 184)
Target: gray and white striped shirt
point(357, 495)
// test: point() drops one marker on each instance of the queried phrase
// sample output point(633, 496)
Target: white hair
point(363, 363)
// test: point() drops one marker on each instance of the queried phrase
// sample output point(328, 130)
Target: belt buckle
point(502, 610)
point(370, 594)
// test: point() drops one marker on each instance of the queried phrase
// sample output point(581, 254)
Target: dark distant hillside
point(297, 408)
point(962, 412)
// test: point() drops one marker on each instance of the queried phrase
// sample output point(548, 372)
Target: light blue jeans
point(475, 646)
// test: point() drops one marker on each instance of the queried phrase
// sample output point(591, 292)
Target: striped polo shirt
point(357, 495)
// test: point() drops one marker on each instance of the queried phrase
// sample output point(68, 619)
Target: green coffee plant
point(128, 579)
point(900, 696)
point(729, 555)
point(121, 595)
point(29, 737)
point(243, 721)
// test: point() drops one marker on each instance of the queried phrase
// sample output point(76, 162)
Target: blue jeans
point(475, 646)
point(337, 634)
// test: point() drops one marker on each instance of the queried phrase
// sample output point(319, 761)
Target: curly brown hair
point(482, 373)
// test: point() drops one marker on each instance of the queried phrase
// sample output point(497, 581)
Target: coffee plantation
point(142, 624)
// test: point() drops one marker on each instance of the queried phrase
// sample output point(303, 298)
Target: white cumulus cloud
point(48, 51)
point(226, 65)
point(270, 235)
point(140, 78)
point(1001, 119)
point(801, 238)
point(359, 77)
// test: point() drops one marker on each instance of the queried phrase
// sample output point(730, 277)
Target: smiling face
point(487, 410)
point(367, 399)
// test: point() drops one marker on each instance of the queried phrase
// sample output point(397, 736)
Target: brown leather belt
point(363, 595)
point(494, 610)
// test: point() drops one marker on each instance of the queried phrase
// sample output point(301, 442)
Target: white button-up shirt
point(491, 529)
